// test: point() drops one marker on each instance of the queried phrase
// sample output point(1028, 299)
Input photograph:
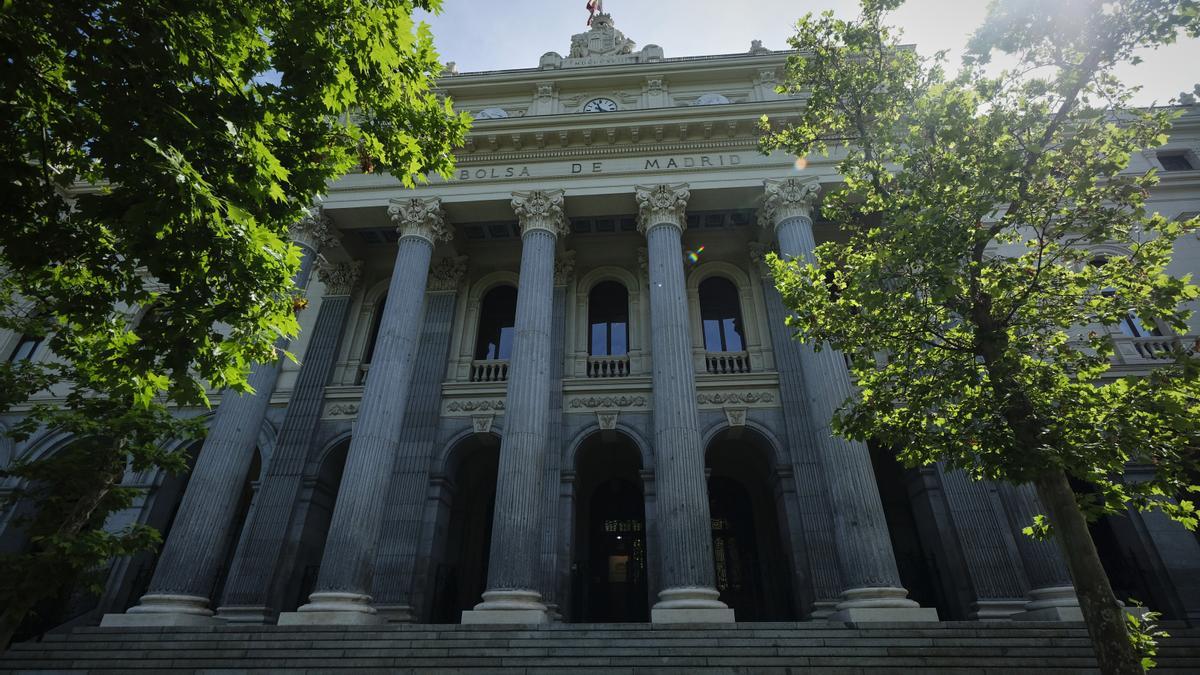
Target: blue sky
point(480, 35)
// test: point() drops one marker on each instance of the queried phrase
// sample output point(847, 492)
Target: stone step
point(785, 648)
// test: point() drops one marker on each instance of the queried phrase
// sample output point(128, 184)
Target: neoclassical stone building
point(558, 387)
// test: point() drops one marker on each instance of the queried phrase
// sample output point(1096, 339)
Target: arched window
point(498, 315)
point(608, 320)
point(365, 365)
point(721, 315)
point(25, 348)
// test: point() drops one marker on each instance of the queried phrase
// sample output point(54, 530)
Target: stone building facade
point(628, 433)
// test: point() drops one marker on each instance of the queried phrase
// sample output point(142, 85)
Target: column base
point(246, 614)
point(690, 604)
point(884, 603)
point(508, 607)
point(162, 609)
point(996, 610)
point(333, 609)
point(1055, 603)
point(822, 609)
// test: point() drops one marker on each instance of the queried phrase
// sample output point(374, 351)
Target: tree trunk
point(1104, 616)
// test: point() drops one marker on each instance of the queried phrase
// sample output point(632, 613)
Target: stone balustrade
point(722, 363)
point(489, 370)
point(608, 366)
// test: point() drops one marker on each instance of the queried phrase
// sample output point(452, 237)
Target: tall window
point(721, 314)
point(496, 319)
point(25, 348)
point(608, 320)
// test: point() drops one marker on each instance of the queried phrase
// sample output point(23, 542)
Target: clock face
point(600, 105)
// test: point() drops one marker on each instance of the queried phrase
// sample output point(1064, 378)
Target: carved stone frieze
point(445, 274)
point(422, 218)
point(564, 268)
point(315, 230)
point(460, 407)
point(339, 278)
point(341, 410)
point(721, 398)
point(596, 402)
point(662, 204)
point(542, 210)
point(788, 198)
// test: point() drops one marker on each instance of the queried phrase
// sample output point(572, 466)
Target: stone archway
point(751, 559)
point(609, 576)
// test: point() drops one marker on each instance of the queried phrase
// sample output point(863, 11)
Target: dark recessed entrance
point(460, 577)
point(609, 568)
point(750, 562)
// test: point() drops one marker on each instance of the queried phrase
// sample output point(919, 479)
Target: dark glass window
point(1131, 325)
point(496, 319)
point(1175, 162)
point(25, 348)
point(608, 320)
point(721, 314)
point(374, 336)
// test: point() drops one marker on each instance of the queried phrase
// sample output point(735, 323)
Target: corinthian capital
point(422, 218)
point(445, 274)
point(662, 204)
point(339, 278)
point(540, 210)
point(314, 230)
point(788, 198)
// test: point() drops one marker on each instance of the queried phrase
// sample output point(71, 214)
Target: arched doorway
point(460, 576)
point(608, 570)
point(750, 560)
point(318, 514)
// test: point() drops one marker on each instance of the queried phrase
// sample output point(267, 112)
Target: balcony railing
point(608, 366)
point(489, 371)
point(721, 363)
point(1154, 348)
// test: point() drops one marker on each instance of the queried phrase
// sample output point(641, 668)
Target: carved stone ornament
point(341, 410)
point(662, 204)
point(735, 397)
point(475, 406)
point(788, 198)
point(643, 256)
point(314, 230)
point(758, 254)
point(594, 402)
point(607, 420)
point(422, 218)
point(602, 40)
point(735, 416)
point(540, 210)
point(482, 424)
point(339, 278)
point(564, 268)
point(445, 274)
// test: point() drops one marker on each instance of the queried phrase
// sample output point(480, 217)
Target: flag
point(594, 6)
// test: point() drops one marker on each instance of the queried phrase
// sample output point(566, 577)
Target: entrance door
point(616, 567)
point(734, 556)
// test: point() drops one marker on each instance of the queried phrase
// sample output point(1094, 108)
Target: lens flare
point(694, 256)
point(801, 164)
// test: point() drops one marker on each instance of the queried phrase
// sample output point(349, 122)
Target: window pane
point(733, 336)
point(506, 340)
point(712, 335)
point(25, 348)
point(599, 345)
point(497, 317)
point(620, 339)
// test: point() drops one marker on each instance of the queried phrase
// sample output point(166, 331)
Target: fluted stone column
point(1051, 593)
point(259, 570)
point(688, 592)
point(871, 590)
point(202, 533)
point(554, 574)
point(399, 558)
point(342, 594)
point(514, 565)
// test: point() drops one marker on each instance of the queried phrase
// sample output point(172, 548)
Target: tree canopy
point(153, 156)
point(995, 237)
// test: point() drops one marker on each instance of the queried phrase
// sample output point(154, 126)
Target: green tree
point(154, 154)
point(967, 292)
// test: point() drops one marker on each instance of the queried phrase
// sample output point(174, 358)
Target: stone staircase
point(810, 647)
